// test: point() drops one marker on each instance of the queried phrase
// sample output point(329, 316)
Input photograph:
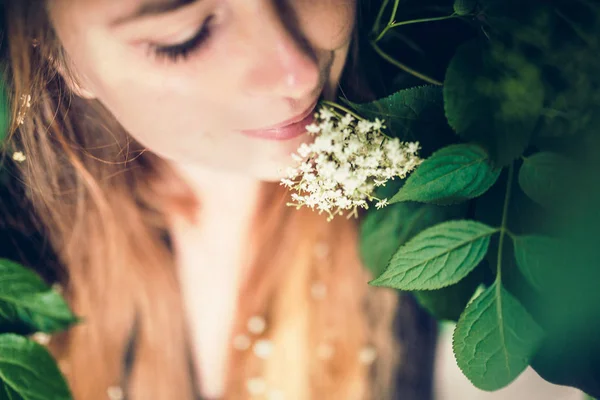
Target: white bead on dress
point(325, 351)
point(275, 394)
point(256, 386)
point(367, 355)
point(241, 342)
point(115, 393)
point(263, 348)
point(321, 250)
point(318, 290)
point(256, 325)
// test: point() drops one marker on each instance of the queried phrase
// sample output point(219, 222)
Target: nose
point(279, 63)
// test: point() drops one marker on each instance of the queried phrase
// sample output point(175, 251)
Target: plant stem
point(503, 229)
point(379, 16)
point(403, 67)
point(414, 21)
point(340, 107)
point(589, 40)
point(394, 11)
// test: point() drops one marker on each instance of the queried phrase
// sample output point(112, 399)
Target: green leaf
point(383, 231)
point(495, 339)
point(437, 257)
point(537, 257)
point(493, 97)
point(464, 7)
point(448, 303)
point(545, 178)
point(451, 175)
point(28, 371)
point(407, 113)
point(27, 304)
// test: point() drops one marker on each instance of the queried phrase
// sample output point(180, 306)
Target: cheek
point(328, 24)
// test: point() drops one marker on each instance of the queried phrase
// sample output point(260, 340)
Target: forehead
point(103, 11)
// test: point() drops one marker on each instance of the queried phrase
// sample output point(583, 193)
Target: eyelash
point(182, 51)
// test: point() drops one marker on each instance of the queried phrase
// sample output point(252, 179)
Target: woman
point(153, 134)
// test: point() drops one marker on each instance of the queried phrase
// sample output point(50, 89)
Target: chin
point(275, 158)
point(248, 158)
point(270, 172)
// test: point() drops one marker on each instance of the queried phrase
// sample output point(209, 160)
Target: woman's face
point(190, 78)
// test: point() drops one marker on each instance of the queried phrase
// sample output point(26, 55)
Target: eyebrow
point(152, 8)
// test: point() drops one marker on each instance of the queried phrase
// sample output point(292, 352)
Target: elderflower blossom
point(348, 159)
point(18, 156)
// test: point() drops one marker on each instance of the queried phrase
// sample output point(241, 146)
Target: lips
point(286, 130)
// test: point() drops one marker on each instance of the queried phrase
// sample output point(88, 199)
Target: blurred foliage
point(520, 80)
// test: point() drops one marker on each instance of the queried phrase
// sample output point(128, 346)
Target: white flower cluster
point(348, 159)
point(18, 156)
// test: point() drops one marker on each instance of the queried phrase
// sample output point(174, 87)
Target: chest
point(211, 267)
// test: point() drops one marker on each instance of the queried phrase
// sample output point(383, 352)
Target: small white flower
point(413, 148)
point(327, 127)
point(26, 101)
point(324, 206)
point(364, 126)
point(348, 159)
point(347, 120)
point(292, 173)
point(304, 150)
point(18, 156)
point(326, 114)
point(344, 203)
point(327, 168)
point(381, 203)
point(287, 182)
point(305, 168)
point(313, 129)
point(25, 106)
point(378, 124)
point(371, 162)
point(353, 146)
point(41, 338)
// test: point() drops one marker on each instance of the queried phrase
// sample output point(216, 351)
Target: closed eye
point(182, 51)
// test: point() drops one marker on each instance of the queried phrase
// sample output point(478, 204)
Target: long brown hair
point(103, 201)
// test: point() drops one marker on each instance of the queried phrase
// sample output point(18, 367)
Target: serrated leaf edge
point(446, 200)
point(377, 282)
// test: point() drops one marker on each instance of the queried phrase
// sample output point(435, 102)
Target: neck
point(224, 196)
point(227, 206)
point(213, 255)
